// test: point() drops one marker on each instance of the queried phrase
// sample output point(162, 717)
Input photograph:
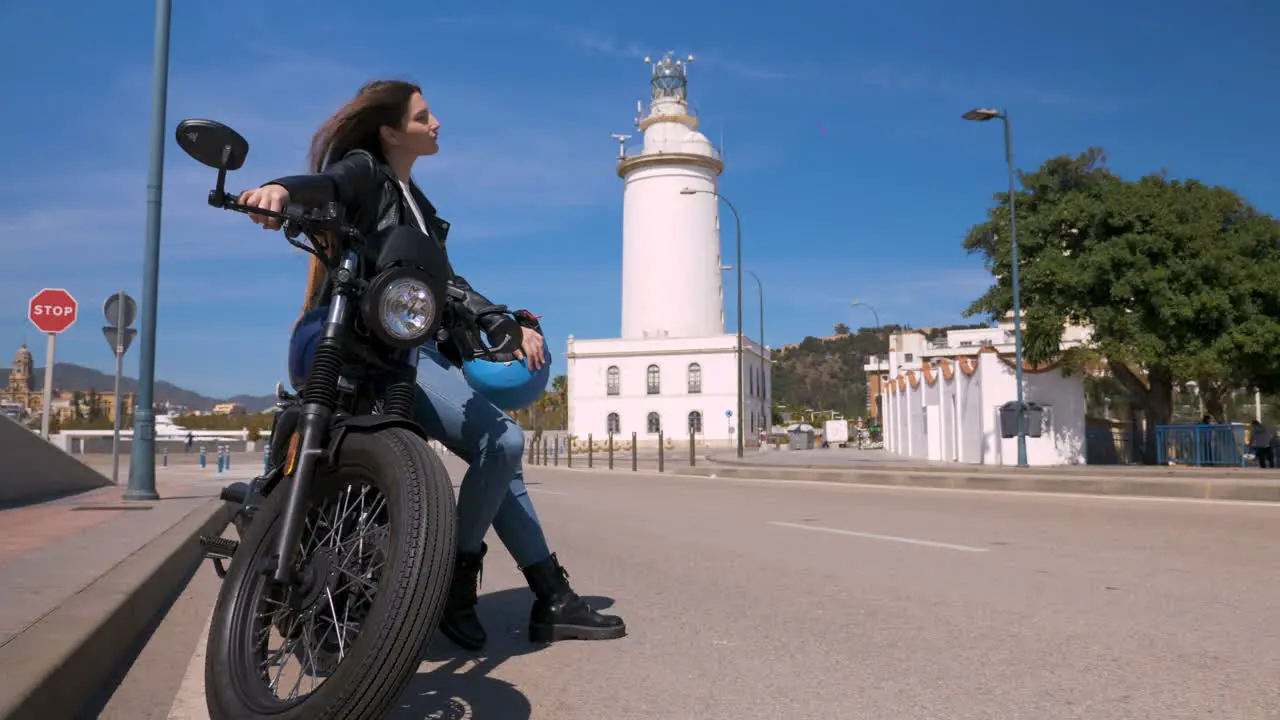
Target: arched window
point(695, 378)
point(695, 422)
point(613, 380)
point(654, 423)
point(654, 378)
point(613, 424)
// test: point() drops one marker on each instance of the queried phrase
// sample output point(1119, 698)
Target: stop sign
point(53, 310)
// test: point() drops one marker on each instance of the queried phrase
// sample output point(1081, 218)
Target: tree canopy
point(1179, 280)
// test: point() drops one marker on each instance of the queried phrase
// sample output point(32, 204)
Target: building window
point(695, 422)
point(907, 357)
point(654, 378)
point(614, 426)
point(695, 378)
point(613, 380)
point(654, 423)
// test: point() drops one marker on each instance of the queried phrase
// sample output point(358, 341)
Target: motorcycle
point(346, 541)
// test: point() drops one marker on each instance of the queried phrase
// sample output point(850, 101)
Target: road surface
point(765, 599)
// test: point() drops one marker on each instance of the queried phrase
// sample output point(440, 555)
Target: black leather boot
point(559, 614)
point(460, 622)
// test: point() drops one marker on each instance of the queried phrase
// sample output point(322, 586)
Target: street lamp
point(859, 303)
point(983, 115)
point(142, 462)
point(738, 222)
point(768, 396)
point(768, 409)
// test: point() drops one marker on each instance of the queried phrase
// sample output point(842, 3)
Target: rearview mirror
point(211, 143)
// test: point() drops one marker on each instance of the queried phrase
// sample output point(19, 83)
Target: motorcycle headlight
point(407, 309)
point(402, 307)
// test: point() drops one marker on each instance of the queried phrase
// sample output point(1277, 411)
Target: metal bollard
point(662, 452)
point(219, 458)
point(228, 458)
point(610, 451)
point(203, 464)
point(164, 457)
point(568, 451)
point(633, 451)
point(266, 456)
point(692, 456)
point(591, 452)
point(545, 451)
point(555, 454)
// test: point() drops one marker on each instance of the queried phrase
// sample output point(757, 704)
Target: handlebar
point(496, 322)
point(297, 218)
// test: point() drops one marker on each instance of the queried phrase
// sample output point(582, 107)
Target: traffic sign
point(728, 413)
point(112, 307)
point(119, 339)
point(52, 310)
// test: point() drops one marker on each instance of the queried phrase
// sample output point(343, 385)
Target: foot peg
point(218, 549)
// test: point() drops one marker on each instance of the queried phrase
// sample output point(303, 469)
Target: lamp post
point(765, 392)
point(737, 222)
point(984, 115)
point(859, 303)
point(142, 463)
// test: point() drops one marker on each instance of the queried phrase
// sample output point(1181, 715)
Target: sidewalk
point(83, 577)
point(877, 467)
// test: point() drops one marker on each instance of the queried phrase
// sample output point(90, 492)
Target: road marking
point(874, 536)
point(545, 492)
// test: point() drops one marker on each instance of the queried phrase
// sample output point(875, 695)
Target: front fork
point(320, 399)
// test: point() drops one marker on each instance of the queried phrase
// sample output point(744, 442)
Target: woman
point(361, 158)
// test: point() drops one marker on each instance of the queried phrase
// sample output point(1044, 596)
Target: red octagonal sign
point(53, 310)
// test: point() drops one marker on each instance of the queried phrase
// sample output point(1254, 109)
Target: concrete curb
point(1188, 488)
point(1156, 487)
point(61, 664)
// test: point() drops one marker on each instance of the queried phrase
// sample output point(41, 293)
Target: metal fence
point(1219, 445)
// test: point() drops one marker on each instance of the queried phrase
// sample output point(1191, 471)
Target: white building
point(941, 401)
point(674, 369)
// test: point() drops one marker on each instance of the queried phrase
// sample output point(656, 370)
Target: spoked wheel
point(375, 563)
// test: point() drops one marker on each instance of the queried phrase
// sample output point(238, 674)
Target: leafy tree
point(77, 403)
point(841, 329)
point(1179, 280)
point(95, 406)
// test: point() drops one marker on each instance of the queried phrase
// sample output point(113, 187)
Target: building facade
point(941, 401)
point(20, 399)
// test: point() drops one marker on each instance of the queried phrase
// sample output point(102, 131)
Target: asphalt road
point(764, 599)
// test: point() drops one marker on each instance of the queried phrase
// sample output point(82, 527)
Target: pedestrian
point(1260, 438)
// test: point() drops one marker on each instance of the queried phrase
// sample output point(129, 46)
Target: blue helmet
point(509, 385)
point(302, 344)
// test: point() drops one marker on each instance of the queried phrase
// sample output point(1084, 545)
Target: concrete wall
point(31, 468)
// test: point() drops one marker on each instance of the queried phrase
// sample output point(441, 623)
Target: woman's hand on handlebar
point(267, 197)
point(531, 347)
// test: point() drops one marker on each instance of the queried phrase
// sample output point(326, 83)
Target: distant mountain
point(67, 376)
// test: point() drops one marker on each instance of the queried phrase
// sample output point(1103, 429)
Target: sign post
point(120, 311)
point(52, 311)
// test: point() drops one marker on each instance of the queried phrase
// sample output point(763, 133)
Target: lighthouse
point(671, 284)
point(672, 375)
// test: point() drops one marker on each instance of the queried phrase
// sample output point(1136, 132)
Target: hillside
point(826, 373)
point(77, 377)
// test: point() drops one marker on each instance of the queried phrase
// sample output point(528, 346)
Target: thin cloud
point(971, 88)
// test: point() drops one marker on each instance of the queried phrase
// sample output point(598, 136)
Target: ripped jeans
point(492, 444)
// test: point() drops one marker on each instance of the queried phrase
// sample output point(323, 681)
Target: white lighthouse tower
point(674, 371)
point(671, 242)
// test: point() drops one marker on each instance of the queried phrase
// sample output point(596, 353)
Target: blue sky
point(872, 209)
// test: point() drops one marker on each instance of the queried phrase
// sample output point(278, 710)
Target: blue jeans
point(492, 444)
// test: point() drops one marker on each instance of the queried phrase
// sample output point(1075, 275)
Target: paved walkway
point(49, 551)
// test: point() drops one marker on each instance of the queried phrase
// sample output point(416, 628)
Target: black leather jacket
point(369, 191)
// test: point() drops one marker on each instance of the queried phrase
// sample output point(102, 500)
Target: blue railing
point(1201, 445)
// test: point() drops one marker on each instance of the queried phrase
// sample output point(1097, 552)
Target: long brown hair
point(356, 126)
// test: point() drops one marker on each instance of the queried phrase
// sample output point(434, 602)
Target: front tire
point(405, 512)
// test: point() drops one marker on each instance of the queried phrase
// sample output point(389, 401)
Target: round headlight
point(407, 309)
